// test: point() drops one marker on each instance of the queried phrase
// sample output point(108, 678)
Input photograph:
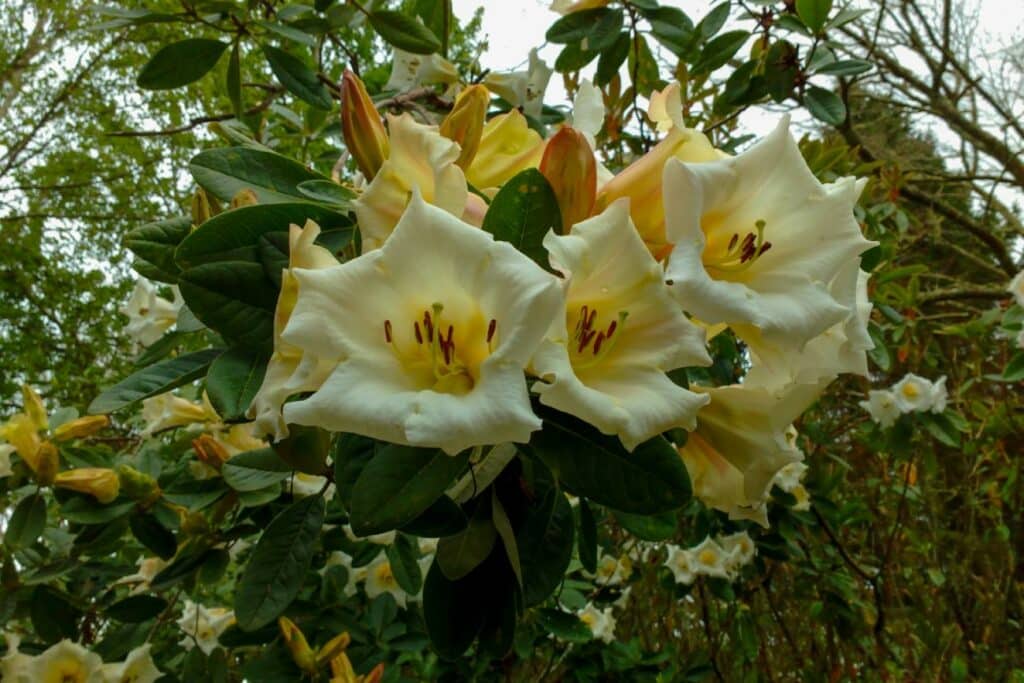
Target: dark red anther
point(416, 329)
point(451, 331)
point(612, 326)
point(492, 327)
point(734, 240)
point(428, 325)
point(764, 247)
point(590, 320)
point(585, 339)
point(597, 342)
point(387, 331)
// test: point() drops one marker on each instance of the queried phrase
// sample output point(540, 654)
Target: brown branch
point(198, 120)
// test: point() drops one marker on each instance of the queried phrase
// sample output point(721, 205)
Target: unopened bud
point(569, 165)
point(333, 647)
point(210, 451)
point(137, 485)
point(22, 433)
point(376, 674)
point(465, 123)
point(81, 428)
point(361, 126)
point(204, 207)
point(244, 197)
point(47, 461)
point(34, 407)
point(297, 645)
point(342, 671)
point(101, 483)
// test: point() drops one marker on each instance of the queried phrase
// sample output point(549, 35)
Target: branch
point(197, 121)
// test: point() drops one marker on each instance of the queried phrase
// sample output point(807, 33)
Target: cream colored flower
point(140, 580)
point(380, 579)
point(666, 108)
point(289, 370)
point(790, 479)
point(682, 564)
point(409, 70)
point(138, 667)
point(167, 411)
point(1020, 339)
point(914, 394)
point(1016, 288)
point(435, 327)
point(882, 407)
point(600, 622)
point(588, 111)
point(758, 240)
point(149, 315)
point(739, 549)
point(420, 157)
point(301, 485)
point(15, 666)
point(940, 396)
point(606, 356)
point(523, 89)
point(65, 662)
point(711, 559)
point(507, 146)
point(203, 626)
point(612, 570)
point(355, 574)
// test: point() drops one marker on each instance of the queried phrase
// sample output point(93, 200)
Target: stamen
point(597, 342)
point(741, 254)
point(416, 329)
point(428, 325)
point(491, 329)
point(764, 247)
point(387, 331)
point(611, 328)
point(732, 242)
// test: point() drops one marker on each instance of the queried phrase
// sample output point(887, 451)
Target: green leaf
point(156, 379)
point(26, 522)
point(648, 527)
point(233, 380)
point(184, 565)
point(713, 21)
point(289, 32)
point(573, 58)
point(305, 449)
point(611, 60)
point(351, 453)
point(781, 70)
point(86, 510)
point(940, 427)
point(507, 534)
point(672, 28)
point(53, 615)
point(879, 354)
point(604, 32)
point(814, 13)
point(136, 608)
point(233, 82)
point(180, 63)
point(398, 484)
point(235, 299)
point(278, 564)
point(825, 105)
point(1014, 370)
point(403, 555)
point(326, 191)
point(522, 212)
point(153, 535)
point(576, 26)
point(545, 543)
point(720, 50)
point(451, 612)
point(154, 244)
point(846, 67)
point(650, 480)
point(443, 518)
point(642, 64)
point(404, 32)
point(274, 178)
point(564, 625)
point(297, 78)
point(586, 546)
point(255, 470)
point(460, 554)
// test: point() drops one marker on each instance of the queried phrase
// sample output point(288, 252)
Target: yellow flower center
point(443, 355)
point(911, 391)
point(66, 670)
point(588, 618)
point(729, 253)
point(385, 575)
point(593, 337)
point(707, 557)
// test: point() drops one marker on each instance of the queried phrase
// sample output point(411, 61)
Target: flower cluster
point(722, 557)
point(203, 626)
point(377, 576)
point(68, 661)
point(912, 394)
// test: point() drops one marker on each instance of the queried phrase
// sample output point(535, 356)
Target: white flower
point(739, 549)
point(940, 396)
point(149, 315)
point(65, 662)
point(682, 563)
point(611, 570)
point(409, 70)
point(427, 546)
point(435, 328)
point(138, 667)
point(606, 356)
point(711, 559)
point(167, 411)
point(790, 476)
point(5, 459)
point(386, 538)
point(15, 666)
point(148, 568)
point(600, 622)
point(1016, 287)
point(914, 394)
point(588, 111)
point(758, 240)
point(301, 485)
point(355, 574)
point(289, 370)
point(523, 88)
point(203, 626)
point(666, 108)
point(380, 579)
point(882, 406)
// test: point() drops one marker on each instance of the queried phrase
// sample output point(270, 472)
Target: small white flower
point(588, 111)
point(666, 108)
point(611, 570)
point(148, 568)
point(380, 579)
point(914, 394)
point(409, 70)
point(739, 548)
point(149, 315)
point(65, 662)
point(428, 546)
point(1020, 339)
point(682, 563)
point(203, 626)
point(523, 88)
point(940, 395)
point(138, 667)
point(882, 407)
point(15, 666)
point(710, 559)
point(1016, 287)
point(600, 622)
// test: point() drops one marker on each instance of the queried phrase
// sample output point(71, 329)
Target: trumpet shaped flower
point(137, 667)
point(758, 240)
point(409, 70)
point(882, 407)
point(434, 329)
point(65, 662)
point(102, 483)
point(204, 625)
point(508, 145)
point(524, 89)
point(166, 411)
point(420, 157)
point(149, 315)
point(620, 331)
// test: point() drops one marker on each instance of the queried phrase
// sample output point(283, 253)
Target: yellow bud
point(101, 483)
point(342, 671)
point(34, 407)
point(508, 145)
point(137, 485)
point(22, 433)
point(245, 197)
point(81, 428)
point(47, 462)
point(361, 126)
point(569, 165)
point(204, 206)
point(210, 451)
point(375, 675)
point(465, 123)
point(334, 647)
point(297, 645)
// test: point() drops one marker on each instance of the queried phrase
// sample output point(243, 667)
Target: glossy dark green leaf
point(148, 530)
point(672, 28)
point(564, 626)
point(274, 178)
point(576, 26)
point(720, 50)
point(136, 608)
point(297, 78)
point(648, 527)
point(1014, 370)
point(233, 298)
point(443, 518)
point(611, 59)
point(460, 554)
point(451, 612)
point(180, 63)
point(586, 545)
point(279, 563)
point(573, 57)
point(289, 32)
point(305, 449)
point(86, 510)
point(53, 615)
point(404, 32)
point(814, 13)
point(402, 556)
point(545, 544)
point(650, 480)
point(781, 70)
point(155, 243)
point(846, 67)
point(522, 213)
point(398, 484)
point(350, 455)
point(642, 65)
point(156, 379)
point(507, 534)
point(255, 470)
point(185, 564)
point(825, 105)
point(233, 380)
point(326, 191)
point(26, 522)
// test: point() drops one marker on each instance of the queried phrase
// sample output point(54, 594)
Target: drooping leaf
point(522, 213)
point(404, 32)
point(565, 626)
point(451, 611)
point(26, 522)
point(297, 78)
point(233, 82)
point(403, 555)
point(648, 527)
point(274, 178)
point(825, 105)
point(814, 13)
point(153, 535)
point(545, 545)
point(235, 299)
point(255, 470)
point(460, 554)
point(156, 379)
point(586, 546)
point(576, 26)
point(180, 63)
point(154, 244)
point(233, 380)
point(136, 608)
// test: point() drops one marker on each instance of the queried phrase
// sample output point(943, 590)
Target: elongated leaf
point(522, 213)
point(234, 298)
point(507, 534)
point(297, 78)
point(272, 177)
point(443, 518)
point(714, 20)
point(180, 63)
point(154, 244)
point(545, 545)
point(85, 510)
point(136, 609)
point(720, 50)
point(156, 379)
point(278, 564)
point(565, 626)
point(398, 484)
point(404, 32)
point(814, 13)
point(255, 470)
point(26, 522)
point(611, 59)
point(451, 611)
point(154, 535)
point(576, 26)
point(351, 453)
point(650, 480)
point(326, 191)
point(403, 555)
point(825, 105)
point(846, 67)
point(183, 566)
point(233, 380)
point(648, 527)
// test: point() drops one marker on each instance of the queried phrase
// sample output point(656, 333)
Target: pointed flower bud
point(204, 207)
point(569, 166)
point(34, 407)
point(47, 460)
point(137, 485)
point(361, 126)
point(465, 123)
point(22, 433)
point(244, 197)
point(334, 647)
point(210, 451)
point(81, 428)
point(101, 483)
point(297, 645)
